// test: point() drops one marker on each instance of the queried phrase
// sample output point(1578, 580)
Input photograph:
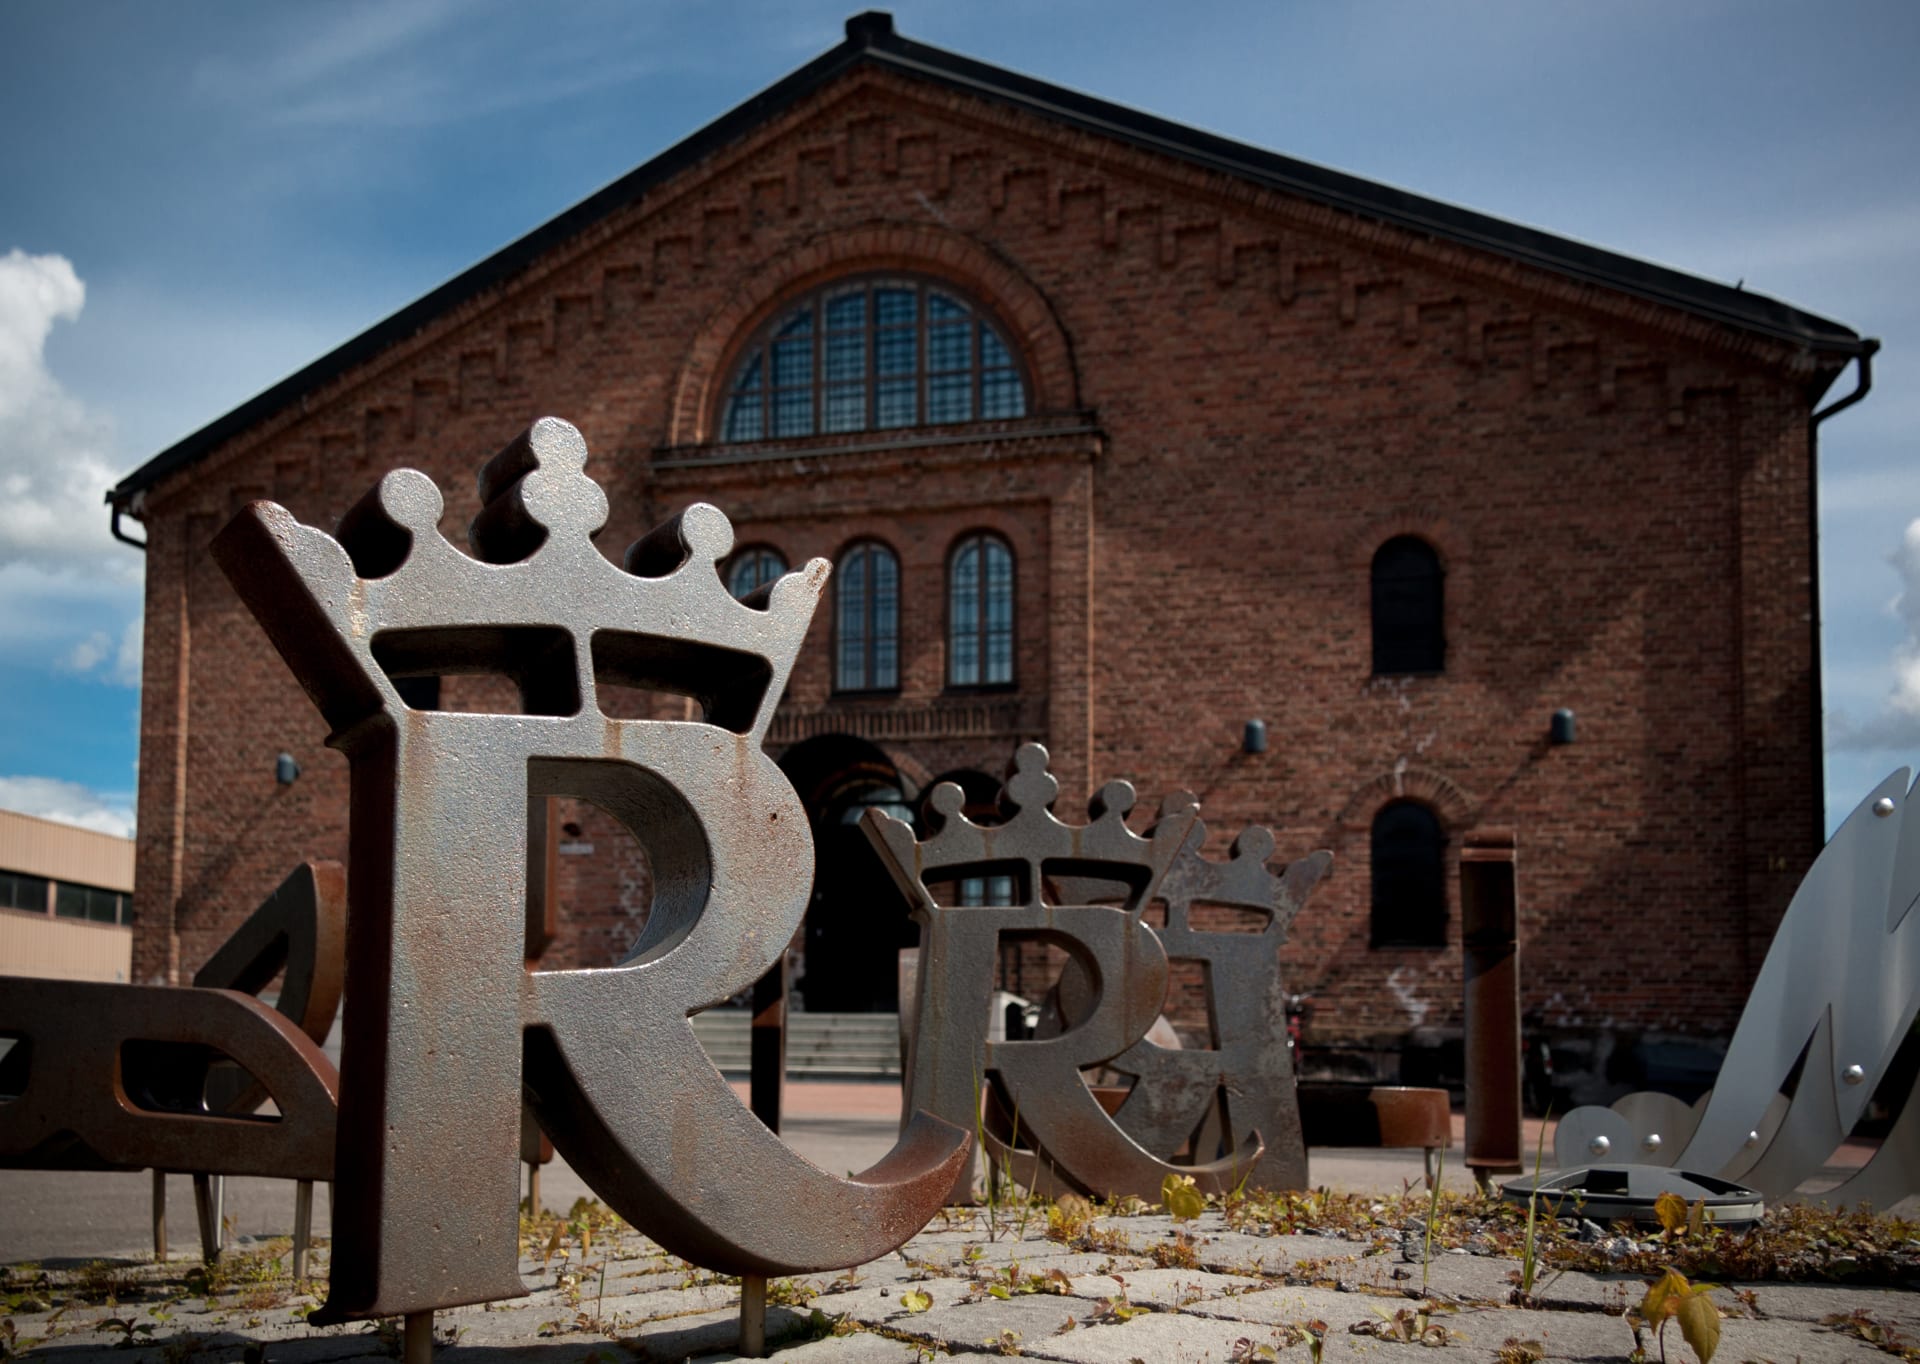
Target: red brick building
point(1121, 436)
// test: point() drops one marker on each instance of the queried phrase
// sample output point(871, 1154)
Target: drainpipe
point(1864, 358)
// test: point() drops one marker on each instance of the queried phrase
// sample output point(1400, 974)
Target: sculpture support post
point(753, 1316)
point(160, 1216)
point(1489, 943)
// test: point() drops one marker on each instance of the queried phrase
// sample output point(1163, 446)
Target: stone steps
point(864, 1045)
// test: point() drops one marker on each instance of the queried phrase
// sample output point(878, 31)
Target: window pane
point(846, 357)
point(894, 351)
point(755, 569)
point(749, 377)
point(792, 362)
point(850, 619)
point(886, 619)
point(745, 420)
point(892, 307)
point(993, 353)
point(793, 412)
point(949, 348)
point(896, 403)
point(846, 408)
point(70, 902)
point(942, 308)
point(963, 617)
point(20, 891)
point(949, 398)
point(799, 323)
point(848, 312)
point(1001, 395)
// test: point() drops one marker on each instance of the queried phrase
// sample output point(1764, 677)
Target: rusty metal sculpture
point(442, 1007)
point(114, 1077)
point(299, 936)
point(1231, 1105)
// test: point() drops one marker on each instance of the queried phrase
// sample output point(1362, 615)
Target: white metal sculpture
point(1840, 985)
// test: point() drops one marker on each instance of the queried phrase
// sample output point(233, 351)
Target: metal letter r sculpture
point(440, 1009)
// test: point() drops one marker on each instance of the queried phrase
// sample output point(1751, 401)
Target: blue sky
point(196, 200)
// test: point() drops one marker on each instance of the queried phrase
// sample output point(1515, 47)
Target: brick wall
point(1236, 399)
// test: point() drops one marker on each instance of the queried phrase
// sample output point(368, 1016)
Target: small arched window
point(753, 568)
point(980, 613)
point(1408, 606)
point(1409, 877)
point(866, 619)
point(873, 353)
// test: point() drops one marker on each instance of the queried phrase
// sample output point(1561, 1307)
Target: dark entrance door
point(857, 920)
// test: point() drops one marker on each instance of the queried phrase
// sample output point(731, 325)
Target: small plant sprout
point(1671, 1298)
point(1530, 1250)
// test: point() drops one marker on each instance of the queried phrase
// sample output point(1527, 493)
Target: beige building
point(66, 901)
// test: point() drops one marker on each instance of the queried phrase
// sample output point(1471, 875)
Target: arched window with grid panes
point(753, 568)
point(872, 353)
point(866, 619)
point(980, 613)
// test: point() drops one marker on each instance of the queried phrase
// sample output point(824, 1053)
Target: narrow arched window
point(1407, 608)
point(753, 568)
point(866, 619)
point(980, 613)
point(1409, 877)
point(872, 353)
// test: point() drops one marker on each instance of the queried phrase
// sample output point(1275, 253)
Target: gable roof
point(871, 39)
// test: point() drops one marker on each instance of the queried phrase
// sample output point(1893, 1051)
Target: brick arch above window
point(1453, 803)
point(1025, 317)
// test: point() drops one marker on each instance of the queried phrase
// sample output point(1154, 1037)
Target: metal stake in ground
point(416, 1341)
point(753, 1316)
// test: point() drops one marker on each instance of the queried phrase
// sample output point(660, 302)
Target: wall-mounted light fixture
point(285, 770)
point(1560, 728)
point(1253, 739)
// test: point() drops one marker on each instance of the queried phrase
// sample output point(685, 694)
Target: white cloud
point(55, 454)
point(87, 655)
point(1897, 723)
point(68, 802)
point(128, 654)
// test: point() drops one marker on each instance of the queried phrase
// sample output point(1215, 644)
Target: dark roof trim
point(871, 38)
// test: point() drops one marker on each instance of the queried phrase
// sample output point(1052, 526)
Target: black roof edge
point(871, 37)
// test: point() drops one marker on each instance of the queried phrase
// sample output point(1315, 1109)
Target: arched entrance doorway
point(857, 920)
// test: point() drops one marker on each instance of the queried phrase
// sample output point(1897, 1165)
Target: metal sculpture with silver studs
point(442, 1010)
point(1840, 988)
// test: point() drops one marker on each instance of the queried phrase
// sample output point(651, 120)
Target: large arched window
point(873, 353)
point(866, 619)
point(753, 568)
point(1409, 877)
point(980, 613)
point(1407, 608)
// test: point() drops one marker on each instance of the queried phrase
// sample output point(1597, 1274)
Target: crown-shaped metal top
point(1032, 841)
point(391, 597)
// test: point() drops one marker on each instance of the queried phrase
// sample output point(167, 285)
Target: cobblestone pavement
point(1126, 1289)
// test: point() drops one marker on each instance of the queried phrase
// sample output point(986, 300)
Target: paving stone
point(876, 1305)
point(1815, 1301)
point(1236, 1250)
point(861, 1348)
point(1166, 1288)
point(975, 1325)
point(1156, 1337)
